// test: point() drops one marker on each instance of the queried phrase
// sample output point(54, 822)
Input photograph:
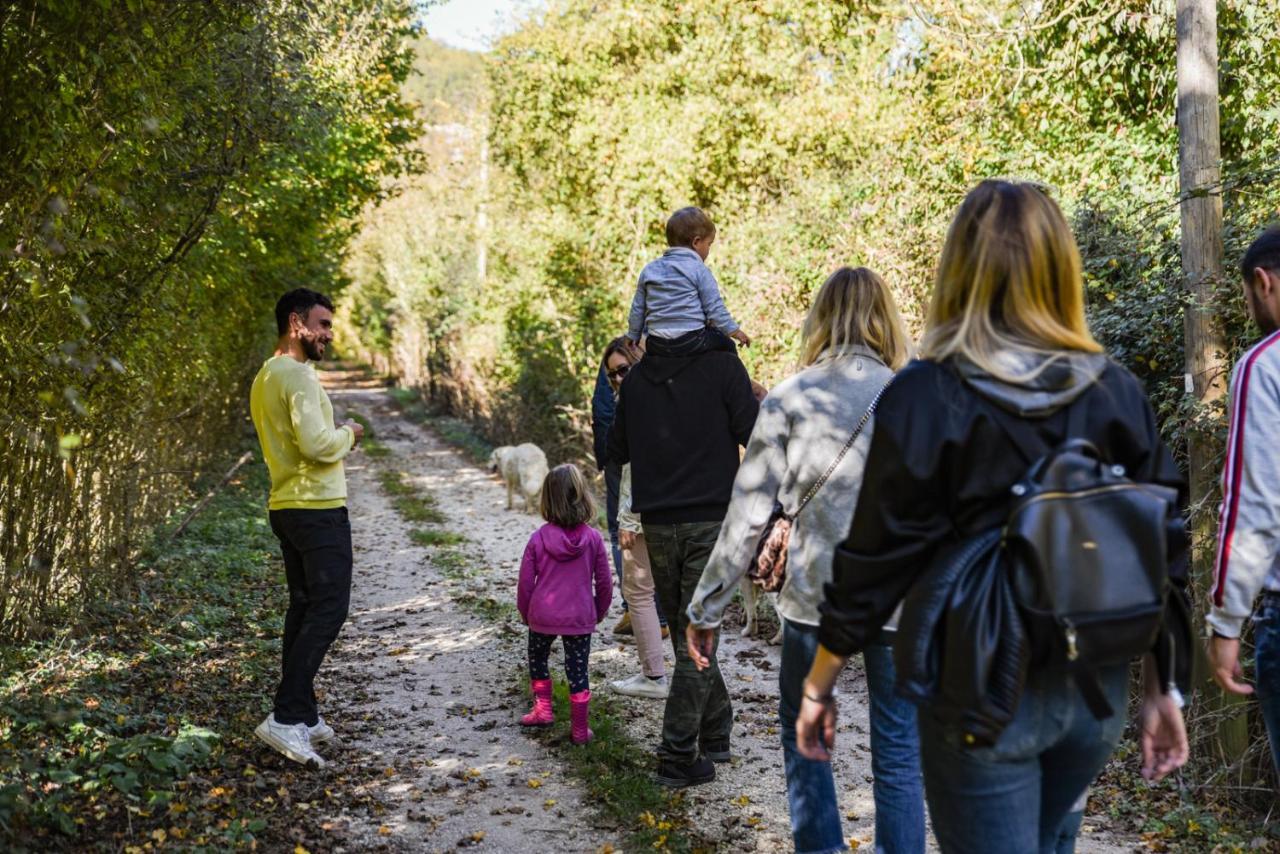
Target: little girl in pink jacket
point(565, 590)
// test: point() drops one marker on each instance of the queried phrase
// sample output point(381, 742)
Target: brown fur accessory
point(769, 568)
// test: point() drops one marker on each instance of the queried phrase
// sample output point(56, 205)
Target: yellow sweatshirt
point(302, 448)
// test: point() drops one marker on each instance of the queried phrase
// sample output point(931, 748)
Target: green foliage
point(370, 445)
point(168, 171)
point(816, 135)
point(410, 501)
point(107, 735)
point(446, 84)
point(432, 537)
point(460, 433)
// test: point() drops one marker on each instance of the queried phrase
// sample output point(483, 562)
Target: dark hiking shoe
point(717, 751)
point(678, 775)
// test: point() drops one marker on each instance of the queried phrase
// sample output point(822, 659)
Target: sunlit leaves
point(169, 170)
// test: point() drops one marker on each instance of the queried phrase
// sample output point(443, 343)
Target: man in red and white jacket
point(1248, 559)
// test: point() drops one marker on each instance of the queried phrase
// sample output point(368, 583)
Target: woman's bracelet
point(820, 701)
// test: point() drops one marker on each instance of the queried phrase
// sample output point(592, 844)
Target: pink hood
point(565, 584)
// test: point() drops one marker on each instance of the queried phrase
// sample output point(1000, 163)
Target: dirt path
point(427, 689)
point(422, 686)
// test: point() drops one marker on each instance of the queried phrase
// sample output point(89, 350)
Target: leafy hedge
point(816, 134)
point(169, 169)
point(108, 738)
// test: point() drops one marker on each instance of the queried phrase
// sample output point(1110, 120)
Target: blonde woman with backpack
point(1006, 354)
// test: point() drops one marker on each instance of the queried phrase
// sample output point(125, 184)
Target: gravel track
point(426, 689)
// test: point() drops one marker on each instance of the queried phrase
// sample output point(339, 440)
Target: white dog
point(522, 467)
point(751, 596)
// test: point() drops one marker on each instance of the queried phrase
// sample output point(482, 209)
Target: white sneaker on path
point(642, 686)
point(293, 740)
point(321, 731)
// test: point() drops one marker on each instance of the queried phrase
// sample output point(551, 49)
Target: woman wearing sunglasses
point(637, 578)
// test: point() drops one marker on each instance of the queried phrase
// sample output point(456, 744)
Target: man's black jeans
point(316, 545)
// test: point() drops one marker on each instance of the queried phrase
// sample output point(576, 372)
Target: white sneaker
point(293, 740)
point(320, 732)
point(642, 686)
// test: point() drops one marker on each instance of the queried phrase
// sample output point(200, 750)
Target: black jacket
point(680, 421)
point(940, 467)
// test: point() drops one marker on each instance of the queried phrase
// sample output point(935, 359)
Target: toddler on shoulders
point(677, 295)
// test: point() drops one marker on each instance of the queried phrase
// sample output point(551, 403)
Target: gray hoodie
point(1058, 380)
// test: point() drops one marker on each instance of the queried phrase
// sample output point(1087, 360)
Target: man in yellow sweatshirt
point(308, 512)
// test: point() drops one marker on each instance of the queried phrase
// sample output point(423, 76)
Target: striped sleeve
point(1249, 521)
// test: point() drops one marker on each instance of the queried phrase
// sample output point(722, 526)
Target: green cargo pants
point(698, 713)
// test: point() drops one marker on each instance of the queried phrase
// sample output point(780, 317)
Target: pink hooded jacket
point(565, 583)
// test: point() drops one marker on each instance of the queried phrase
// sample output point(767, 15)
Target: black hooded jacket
point(940, 467)
point(679, 423)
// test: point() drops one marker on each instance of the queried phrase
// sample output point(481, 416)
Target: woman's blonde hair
point(566, 498)
point(854, 306)
point(1009, 281)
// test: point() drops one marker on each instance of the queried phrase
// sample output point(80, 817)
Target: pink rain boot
point(541, 714)
point(579, 704)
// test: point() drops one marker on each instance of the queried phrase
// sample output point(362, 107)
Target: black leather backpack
point(1087, 549)
point(1077, 579)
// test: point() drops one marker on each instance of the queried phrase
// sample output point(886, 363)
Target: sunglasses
point(619, 372)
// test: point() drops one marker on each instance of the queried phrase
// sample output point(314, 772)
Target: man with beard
point(304, 450)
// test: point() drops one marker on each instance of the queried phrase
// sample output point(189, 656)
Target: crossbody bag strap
point(857, 431)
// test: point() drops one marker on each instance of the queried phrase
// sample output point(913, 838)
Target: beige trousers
point(637, 589)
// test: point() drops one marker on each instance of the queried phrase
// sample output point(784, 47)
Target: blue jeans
point(1017, 796)
point(1266, 638)
point(895, 756)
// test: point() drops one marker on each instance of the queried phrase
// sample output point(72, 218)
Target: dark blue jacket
point(602, 410)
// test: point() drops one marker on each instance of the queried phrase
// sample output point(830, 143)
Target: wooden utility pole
point(482, 211)
point(1200, 196)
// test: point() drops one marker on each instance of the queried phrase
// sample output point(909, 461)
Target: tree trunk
point(1200, 193)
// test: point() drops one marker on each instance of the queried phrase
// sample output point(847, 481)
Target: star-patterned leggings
point(577, 649)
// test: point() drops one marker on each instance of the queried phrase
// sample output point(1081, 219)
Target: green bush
point(169, 170)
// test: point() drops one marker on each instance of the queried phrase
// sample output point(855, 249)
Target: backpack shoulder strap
point(1024, 436)
point(1028, 440)
point(1077, 417)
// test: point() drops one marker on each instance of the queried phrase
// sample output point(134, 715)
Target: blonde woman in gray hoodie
point(853, 341)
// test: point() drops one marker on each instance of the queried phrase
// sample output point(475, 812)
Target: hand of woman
point(816, 728)
point(626, 539)
point(1164, 736)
